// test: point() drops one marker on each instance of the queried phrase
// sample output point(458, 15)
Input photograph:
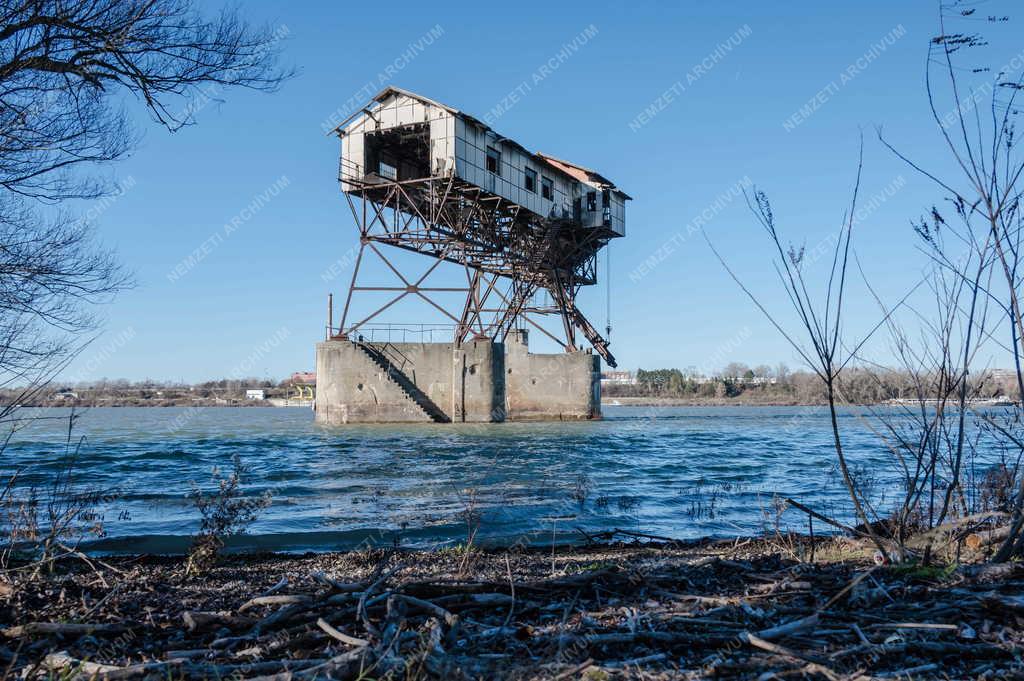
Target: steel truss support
point(509, 255)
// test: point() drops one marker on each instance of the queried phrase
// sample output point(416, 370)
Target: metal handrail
point(396, 357)
point(398, 333)
point(353, 167)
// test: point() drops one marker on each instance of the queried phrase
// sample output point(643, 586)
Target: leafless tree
point(50, 273)
point(61, 60)
point(66, 66)
point(820, 320)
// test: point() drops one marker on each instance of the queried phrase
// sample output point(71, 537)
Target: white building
point(405, 136)
point(618, 378)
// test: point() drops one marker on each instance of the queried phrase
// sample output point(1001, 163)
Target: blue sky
point(256, 301)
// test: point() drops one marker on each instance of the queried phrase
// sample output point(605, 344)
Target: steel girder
point(509, 255)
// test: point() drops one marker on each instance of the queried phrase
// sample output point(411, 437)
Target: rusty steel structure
point(521, 264)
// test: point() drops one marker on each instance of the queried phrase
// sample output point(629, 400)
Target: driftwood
point(65, 663)
point(758, 642)
point(165, 669)
point(272, 600)
point(653, 611)
point(338, 585)
point(448, 618)
point(789, 628)
point(992, 572)
point(1011, 602)
point(344, 638)
point(61, 661)
point(46, 628)
point(979, 540)
point(204, 620)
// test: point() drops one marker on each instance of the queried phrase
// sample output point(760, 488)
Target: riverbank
point(772, 401)
point(740, 401)
point(737, 609)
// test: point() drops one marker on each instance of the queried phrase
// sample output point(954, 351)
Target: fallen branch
point(344, 638)
point(825, 519)
point(196, 621)
point(789, 628)
point(757, 642)
point(273, 600)
point(61, 628)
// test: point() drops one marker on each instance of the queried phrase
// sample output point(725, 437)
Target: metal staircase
point(591, 334)
point(539, 257)
point(393, 370)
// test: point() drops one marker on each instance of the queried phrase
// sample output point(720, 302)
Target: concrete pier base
point(477, 381)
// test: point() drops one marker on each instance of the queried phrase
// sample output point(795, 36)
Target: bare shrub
point(582, 486)
point(973, 241)
point(973, 238)
point(820, 316)
point(996, 488)
point(703, 499)
point(225, 512)
point(44, 524)
point(471, 516)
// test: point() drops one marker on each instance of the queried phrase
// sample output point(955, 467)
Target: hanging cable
point(608, 291)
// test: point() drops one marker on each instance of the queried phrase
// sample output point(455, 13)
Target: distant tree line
point(779, 384)
point(122, 392)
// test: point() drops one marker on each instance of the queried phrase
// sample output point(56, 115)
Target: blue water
point(675, 471)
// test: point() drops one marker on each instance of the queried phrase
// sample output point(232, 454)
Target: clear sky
point(677, 103)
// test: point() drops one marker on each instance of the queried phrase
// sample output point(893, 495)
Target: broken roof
point(579, 172)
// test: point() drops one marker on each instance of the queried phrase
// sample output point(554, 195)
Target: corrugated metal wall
point(471, 143)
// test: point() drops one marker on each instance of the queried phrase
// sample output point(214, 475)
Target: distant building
point(303, 378)
point(618, 378)
point(255, 394)
point(1001, 375)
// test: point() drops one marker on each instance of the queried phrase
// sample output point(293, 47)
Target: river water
point(676, 471)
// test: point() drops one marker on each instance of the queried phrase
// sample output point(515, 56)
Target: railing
point(349, 168)
point(398, 333)
point(396, 357)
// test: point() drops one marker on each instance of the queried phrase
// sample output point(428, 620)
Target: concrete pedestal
point(478, 381)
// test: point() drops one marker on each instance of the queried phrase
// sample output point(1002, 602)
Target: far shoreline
point(605, 402)
point(711, 402)
point(700, 402)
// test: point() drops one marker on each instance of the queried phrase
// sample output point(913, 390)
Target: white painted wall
point(459, 145)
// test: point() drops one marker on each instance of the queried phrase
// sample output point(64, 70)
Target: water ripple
point(684, 472)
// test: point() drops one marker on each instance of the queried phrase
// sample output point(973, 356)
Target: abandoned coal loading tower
point(526, 229)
